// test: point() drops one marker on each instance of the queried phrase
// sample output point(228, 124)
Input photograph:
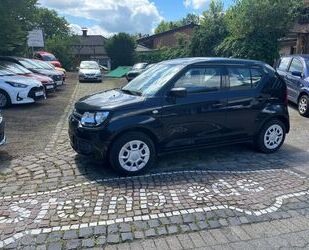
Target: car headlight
point(1, 118)
point(17, 84)
point(93, 119)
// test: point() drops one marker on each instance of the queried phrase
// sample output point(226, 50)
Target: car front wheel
point(271, 137)
point(303, 105)
point(132, 153)
point(5, 100)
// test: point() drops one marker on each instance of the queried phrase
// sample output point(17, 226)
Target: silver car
point(89, 71)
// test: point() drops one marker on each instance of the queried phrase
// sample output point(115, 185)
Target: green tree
point(256, 26)
point(17, 17)
point(165, 26)
point(61, 47)
point(211, 32)
point(121, 50)
point(51, 23)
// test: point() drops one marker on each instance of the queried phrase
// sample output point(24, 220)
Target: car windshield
point(5, 72)
point(29, 64)
point(139, 66)
point(14, 68)
point(49, 57)
point(152, 80)
point(44, 65)
point(89, 65)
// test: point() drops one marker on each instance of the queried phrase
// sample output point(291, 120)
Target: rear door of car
point(245, 100)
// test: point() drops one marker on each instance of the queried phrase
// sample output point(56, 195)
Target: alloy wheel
point(273, 137)
point(303, 105)
point(3, 100)
point(134, 155)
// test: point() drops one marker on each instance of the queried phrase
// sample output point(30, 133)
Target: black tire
point(261, 143)
point(303, 106)
point(121, 142)
point(8, 100)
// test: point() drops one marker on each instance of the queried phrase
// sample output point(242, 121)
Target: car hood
point(22, 79)
point(107, 100)
point(89, 71)
point(41, 78)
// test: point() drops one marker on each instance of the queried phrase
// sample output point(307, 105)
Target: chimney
point(84, 30)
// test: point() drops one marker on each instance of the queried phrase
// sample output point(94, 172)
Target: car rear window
point(284, 63)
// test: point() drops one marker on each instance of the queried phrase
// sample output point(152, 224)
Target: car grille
point(57, 78)
point(33, 90)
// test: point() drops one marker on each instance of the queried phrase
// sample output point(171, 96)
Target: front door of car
point(198, 117)
point(294, 78)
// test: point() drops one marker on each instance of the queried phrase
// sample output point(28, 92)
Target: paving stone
point(127, 236)
point(150, 233)
point(73, 244)
point(54, 246)
point(88, 243)
point(85, 232)
point(113, 238)
point(101, 240)
point(172, 229)
point(71, 234)
point(99, 230)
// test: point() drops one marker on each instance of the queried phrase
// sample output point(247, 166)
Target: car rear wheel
point(271, 137)
point(132, 153)
point(5, 100)
point(303, 105)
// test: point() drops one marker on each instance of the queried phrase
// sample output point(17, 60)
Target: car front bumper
point(90, 78)
point(87, 141)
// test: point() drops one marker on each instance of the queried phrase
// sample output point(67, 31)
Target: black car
point(182, 104)
point(136, 70)
point(294, 70)
point(2, 135)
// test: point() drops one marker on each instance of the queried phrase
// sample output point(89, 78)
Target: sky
point(108, 17)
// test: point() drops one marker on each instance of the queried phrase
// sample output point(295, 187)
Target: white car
point(90, 71)
point(19, 89)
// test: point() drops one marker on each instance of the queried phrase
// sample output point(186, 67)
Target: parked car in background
point(2, 135)
point(35, 68)
point(182, 104)
point(136, 70)
point(294, 70)
point(16, 89)
point(89, 71)
point(49, 66)
point(17, 69)
point(48, 57)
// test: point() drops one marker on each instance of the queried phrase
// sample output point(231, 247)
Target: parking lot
point(52, 198)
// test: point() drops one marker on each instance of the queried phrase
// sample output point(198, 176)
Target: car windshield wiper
point(131, 92)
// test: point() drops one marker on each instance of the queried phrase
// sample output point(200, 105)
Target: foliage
point(181, 50)
point(165, 26)
point(211, 32)
point(51, 23)
point(256, 26)
point(121, 49)
point(61, 47)
point(17, 17)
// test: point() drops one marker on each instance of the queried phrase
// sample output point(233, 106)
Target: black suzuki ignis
point(182, 104)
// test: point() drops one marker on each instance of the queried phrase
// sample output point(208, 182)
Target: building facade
point(297, 39)
point(91, 47)
point(168, 38)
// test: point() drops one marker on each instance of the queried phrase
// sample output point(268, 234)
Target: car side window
point(240, 78)
point(296, 66)
point(202, 79)
point(256, 77)
point(284, 63)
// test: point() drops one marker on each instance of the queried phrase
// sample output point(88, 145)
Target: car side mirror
point(297, 73)
point(178, 92)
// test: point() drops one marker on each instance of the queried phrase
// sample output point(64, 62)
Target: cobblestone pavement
point(216, 198)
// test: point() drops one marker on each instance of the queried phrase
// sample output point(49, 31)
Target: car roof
point(206, 60)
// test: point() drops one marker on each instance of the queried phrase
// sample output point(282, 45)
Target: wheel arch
point(302, 92)
point(281, 118)
point(143, 130)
